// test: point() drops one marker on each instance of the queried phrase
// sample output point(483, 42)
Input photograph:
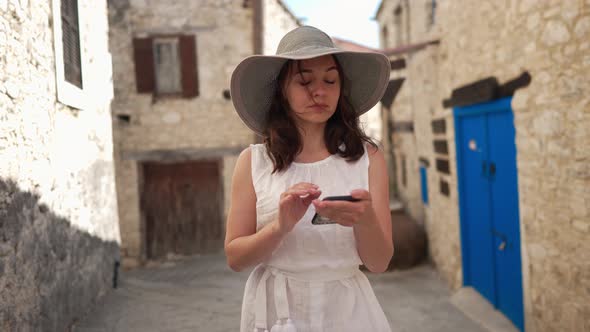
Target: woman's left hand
point(348, 213)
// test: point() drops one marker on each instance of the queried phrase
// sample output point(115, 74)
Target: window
point(71, 42)
point(166, 65)
point(424, 185)
point(431, 10)
point(70, 67)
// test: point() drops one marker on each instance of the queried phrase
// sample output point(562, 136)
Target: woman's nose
point(318, 90)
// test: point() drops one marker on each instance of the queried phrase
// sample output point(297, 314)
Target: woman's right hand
point(294, 203)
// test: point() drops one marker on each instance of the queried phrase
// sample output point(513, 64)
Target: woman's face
point(312, 89)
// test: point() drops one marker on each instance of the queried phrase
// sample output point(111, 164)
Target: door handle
point(502, 237)
point(492, 169)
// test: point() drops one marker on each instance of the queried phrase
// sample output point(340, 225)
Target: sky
point(345, 19)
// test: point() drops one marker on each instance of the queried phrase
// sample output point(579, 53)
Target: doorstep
point(478, 309)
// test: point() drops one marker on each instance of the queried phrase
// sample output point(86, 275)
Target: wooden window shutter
point(143, 56)
point(71, 42)
point(188, 63)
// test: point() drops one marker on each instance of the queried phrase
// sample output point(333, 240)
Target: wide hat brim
point(254, 81)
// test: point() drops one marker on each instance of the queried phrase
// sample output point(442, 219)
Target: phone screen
point(319, 220)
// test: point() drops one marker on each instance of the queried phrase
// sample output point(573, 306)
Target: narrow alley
point(127, 130)
point(202, 294)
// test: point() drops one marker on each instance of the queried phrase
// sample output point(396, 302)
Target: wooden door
point(181, 208)
point(488, 196)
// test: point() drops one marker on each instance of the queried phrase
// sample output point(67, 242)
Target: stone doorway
point(181, 208)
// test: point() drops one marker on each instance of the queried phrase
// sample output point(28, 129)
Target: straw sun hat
point(254, 81)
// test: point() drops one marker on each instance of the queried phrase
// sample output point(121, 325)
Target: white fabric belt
point(280, 292)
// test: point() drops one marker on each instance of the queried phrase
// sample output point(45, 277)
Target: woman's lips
point(319, 107)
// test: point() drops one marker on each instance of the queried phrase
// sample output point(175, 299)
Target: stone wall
point(550, 40)
point(405, 149)
point(58, 212)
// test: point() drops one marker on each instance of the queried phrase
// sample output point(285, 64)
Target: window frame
point(188, 65)
point(68, 93)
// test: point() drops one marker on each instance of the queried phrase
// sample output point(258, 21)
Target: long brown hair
point(283, 141)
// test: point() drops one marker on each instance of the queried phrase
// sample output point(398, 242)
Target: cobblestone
point(202, 294)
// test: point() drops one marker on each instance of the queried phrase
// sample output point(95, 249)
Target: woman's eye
point(330, 82)
point(304, 83)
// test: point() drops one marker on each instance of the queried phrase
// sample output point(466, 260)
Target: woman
point(305, 102)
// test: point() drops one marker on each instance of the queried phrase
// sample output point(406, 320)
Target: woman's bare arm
point(373, 235)
point(245, 247)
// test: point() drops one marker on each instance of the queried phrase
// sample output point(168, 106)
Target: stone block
point(582, 27)
point(555, 32)
point(533, 21)
point(527, 6)
point(581, 225)
point(548, 123)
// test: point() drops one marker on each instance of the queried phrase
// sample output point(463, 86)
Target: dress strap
point(261, 321)
point(260, 164)
point(281, 303)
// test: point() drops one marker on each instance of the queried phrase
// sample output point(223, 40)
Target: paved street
point(203, 294)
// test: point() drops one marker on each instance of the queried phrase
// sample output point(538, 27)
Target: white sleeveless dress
point(312, 281)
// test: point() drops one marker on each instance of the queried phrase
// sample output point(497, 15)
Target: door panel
point(475, 200)
point(505, 216)
point(181, 208)
point(490, 222)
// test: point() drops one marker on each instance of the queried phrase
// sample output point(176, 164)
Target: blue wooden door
point(475, 207)
point(505, 217)
point(488, 198)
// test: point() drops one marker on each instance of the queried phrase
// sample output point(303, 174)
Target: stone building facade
point(59, 233)
point(371, 120)
point(537, 53)
point(176, 134)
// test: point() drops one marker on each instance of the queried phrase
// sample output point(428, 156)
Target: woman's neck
point(313, 144)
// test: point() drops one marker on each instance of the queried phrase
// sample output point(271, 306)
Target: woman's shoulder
point(371, 148)
point(257, 156)
point(373, 151)
point(260, 147)
point(251, 162)
point(244, 160)
point(257, 151)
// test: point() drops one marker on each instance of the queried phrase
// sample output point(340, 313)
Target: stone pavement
point(202, 294)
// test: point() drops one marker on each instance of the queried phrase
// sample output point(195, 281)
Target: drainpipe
point(116, 273)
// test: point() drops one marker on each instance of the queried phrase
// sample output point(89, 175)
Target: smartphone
point(319, 220)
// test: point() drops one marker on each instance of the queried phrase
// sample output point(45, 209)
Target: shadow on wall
point(50, 272)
